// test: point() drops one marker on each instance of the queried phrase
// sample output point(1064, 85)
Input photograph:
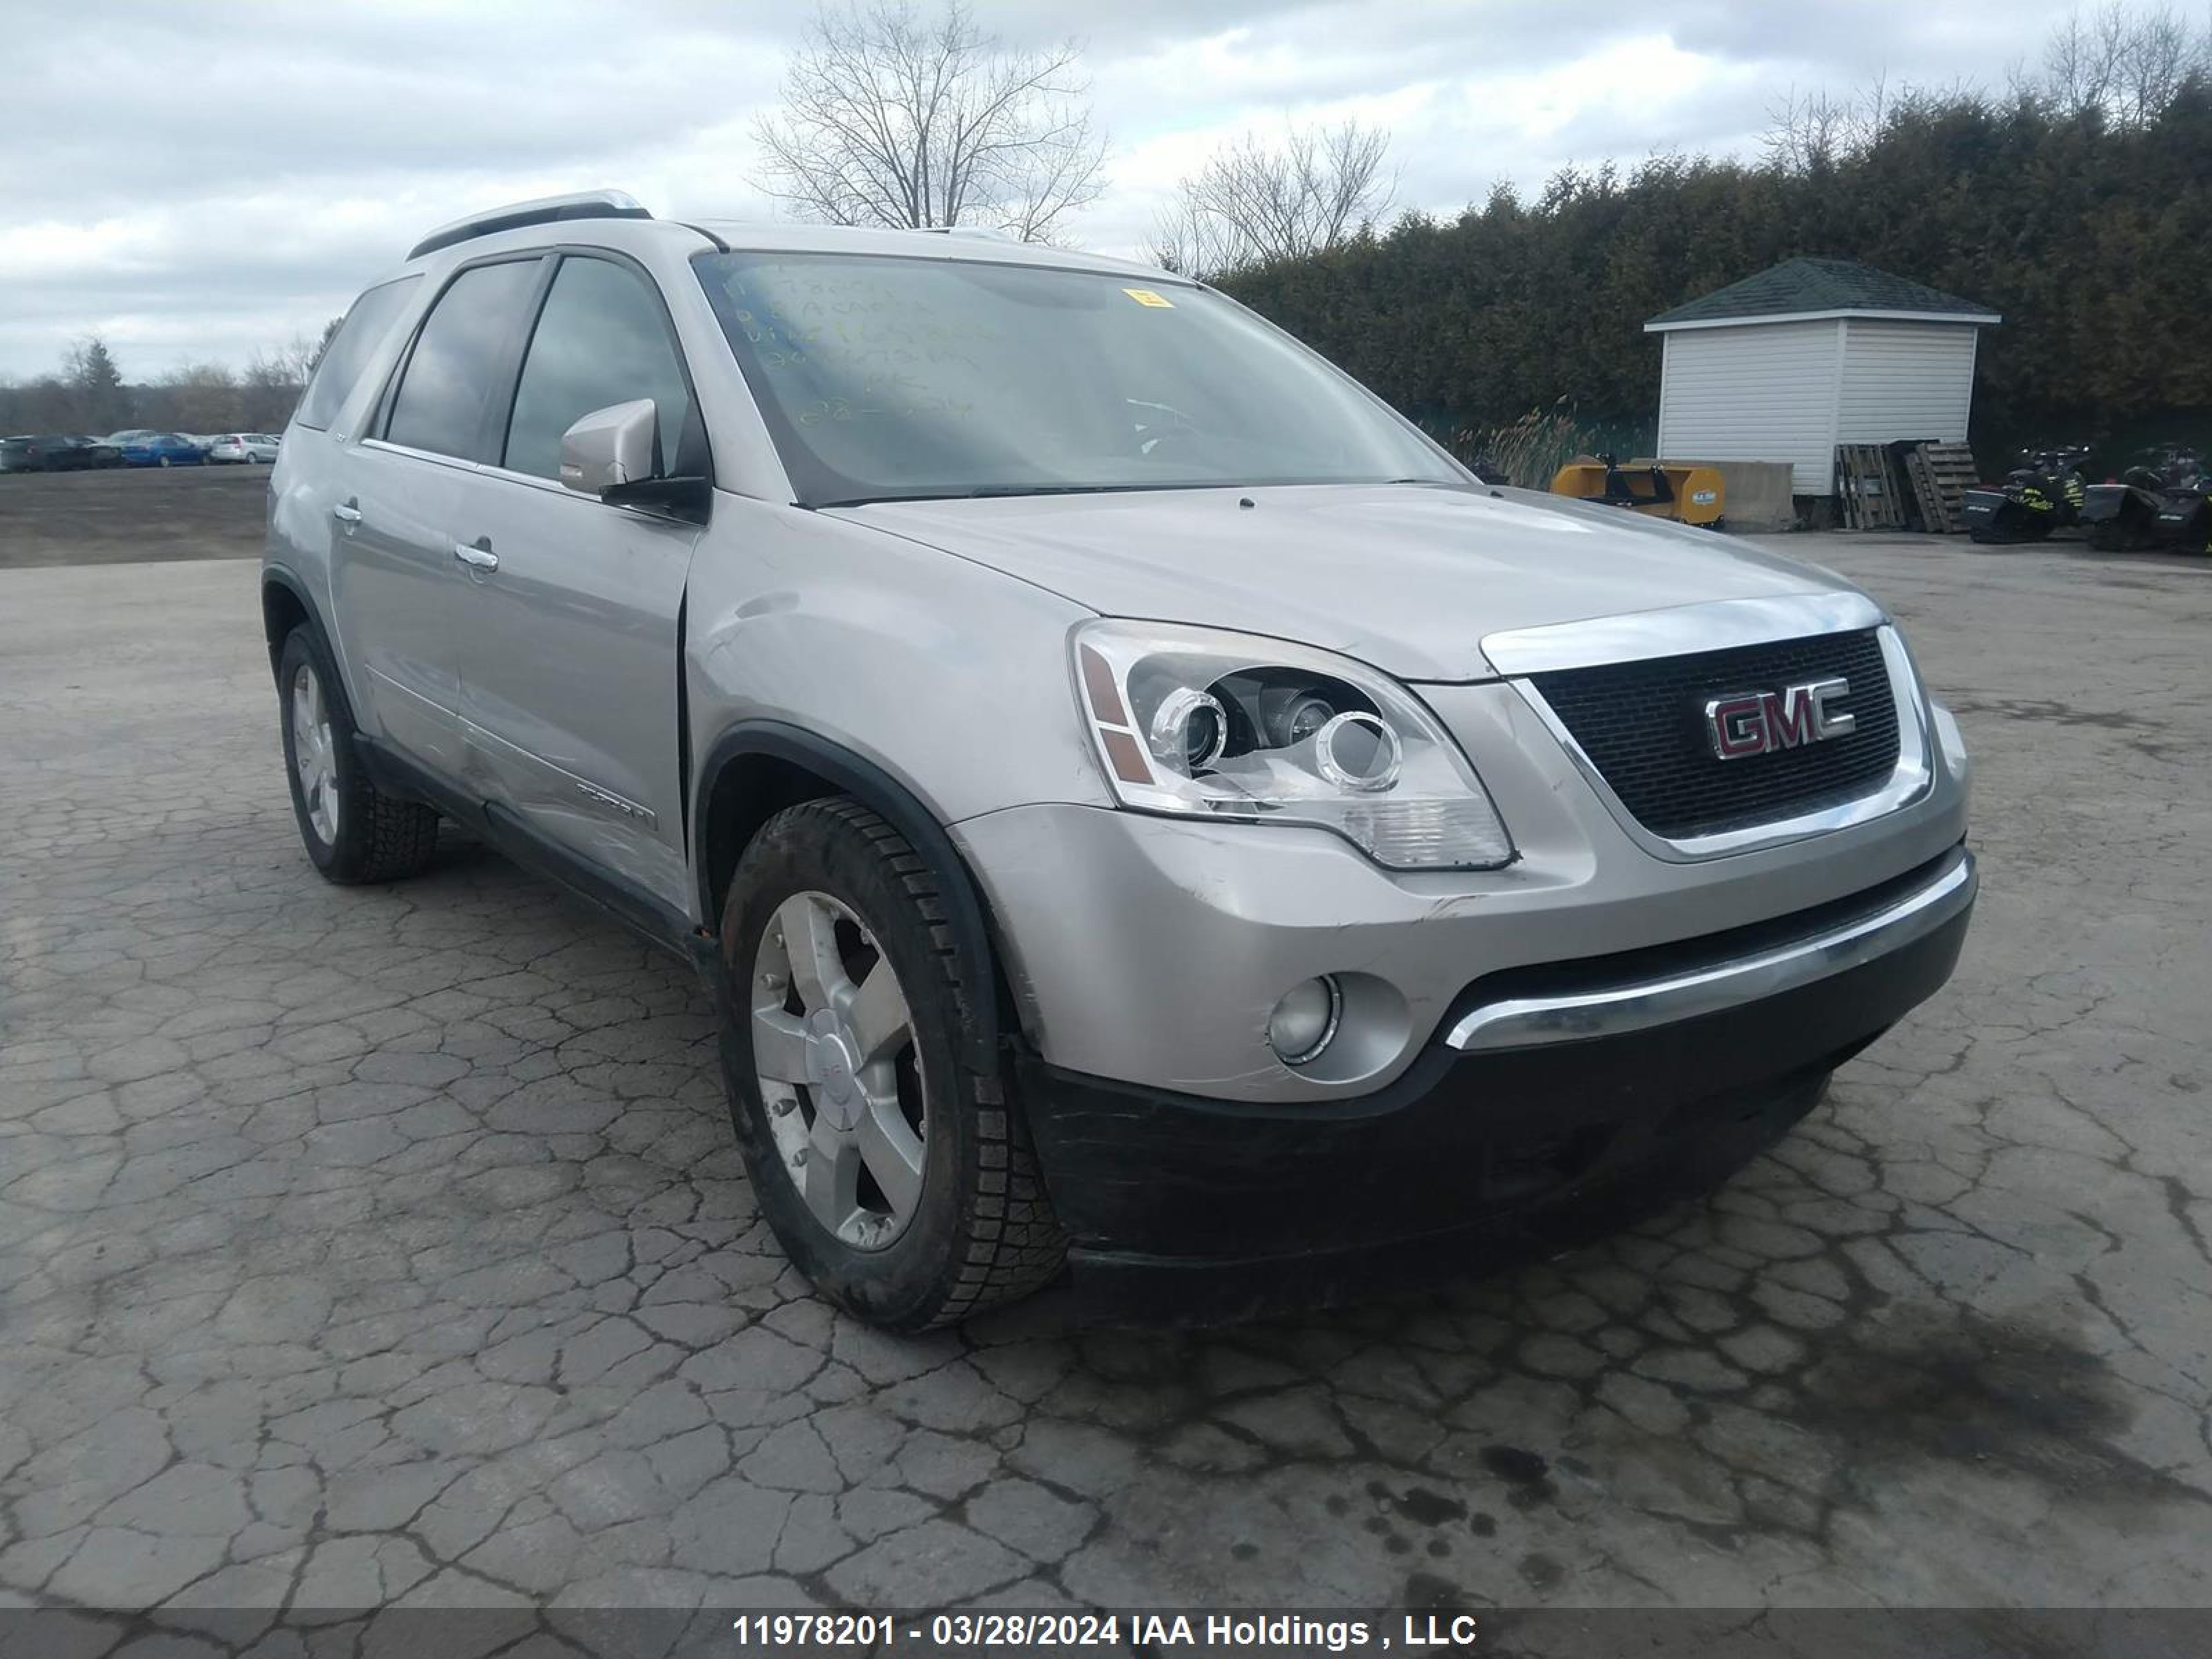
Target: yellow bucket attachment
point(1691, 495)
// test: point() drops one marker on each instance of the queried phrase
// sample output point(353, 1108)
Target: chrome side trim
point(457, 462)
point(1908, 780)
point(1521, 1022)
point(486, 470)
point(1718, 625)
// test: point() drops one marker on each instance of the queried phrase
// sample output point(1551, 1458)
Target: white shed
point(1786, 365)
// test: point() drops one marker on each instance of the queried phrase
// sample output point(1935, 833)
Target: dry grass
point(1530, 450)
point(1526, 450)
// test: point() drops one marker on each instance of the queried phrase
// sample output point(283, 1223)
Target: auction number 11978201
point(953, 1630)
point(781, 1631)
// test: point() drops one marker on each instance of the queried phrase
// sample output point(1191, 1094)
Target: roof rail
point(988, 232)
point(545, 210)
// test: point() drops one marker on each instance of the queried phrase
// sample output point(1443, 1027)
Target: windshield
point(885, 379)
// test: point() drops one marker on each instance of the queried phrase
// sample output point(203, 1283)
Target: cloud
point(198, 182)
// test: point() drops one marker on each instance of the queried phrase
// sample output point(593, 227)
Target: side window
point(366, 328)
point(448, 382)
point(601, 339)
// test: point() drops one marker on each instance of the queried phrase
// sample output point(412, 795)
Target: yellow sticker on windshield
point(1145, 297)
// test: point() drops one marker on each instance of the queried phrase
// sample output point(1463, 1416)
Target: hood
point(1405, 577)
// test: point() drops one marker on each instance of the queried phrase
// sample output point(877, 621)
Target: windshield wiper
point(984, 492)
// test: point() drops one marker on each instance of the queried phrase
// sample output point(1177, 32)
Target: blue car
point(161, 449)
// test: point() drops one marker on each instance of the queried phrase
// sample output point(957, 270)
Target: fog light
point(1305, 1020)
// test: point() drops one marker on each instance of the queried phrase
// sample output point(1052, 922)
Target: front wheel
point(901, 1183)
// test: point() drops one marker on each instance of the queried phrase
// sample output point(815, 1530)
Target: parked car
point(54, 452)
point(162, 449)
point(234, 448)
point(1133, 798)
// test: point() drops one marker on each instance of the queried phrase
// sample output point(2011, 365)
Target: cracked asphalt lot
point(387, 1246)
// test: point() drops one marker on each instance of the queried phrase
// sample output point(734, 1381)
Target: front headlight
point(1212, 725)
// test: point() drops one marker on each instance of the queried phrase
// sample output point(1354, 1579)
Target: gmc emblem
point(1746, 723)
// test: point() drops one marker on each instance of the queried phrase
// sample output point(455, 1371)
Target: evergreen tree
point(2086, 231)
point(102, 403)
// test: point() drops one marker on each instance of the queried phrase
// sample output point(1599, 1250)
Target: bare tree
point(2078, 64)
point(2159, 55)
point(45, 403)
point(1810, 132)
point(893, 117)
point(1255, 201)
point(2126, 62)
point(203, 398)
point(270, 388)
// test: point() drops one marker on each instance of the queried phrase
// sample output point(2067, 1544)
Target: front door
point(568, 610)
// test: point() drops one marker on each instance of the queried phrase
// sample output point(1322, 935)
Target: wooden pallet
point(1950, 472)
point(1935, 512)
point(1867, 484)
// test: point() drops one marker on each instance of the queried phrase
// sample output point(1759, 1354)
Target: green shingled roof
point(1801, 285)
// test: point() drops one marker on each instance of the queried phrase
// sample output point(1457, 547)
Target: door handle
point(476, 558)
point(346, 513)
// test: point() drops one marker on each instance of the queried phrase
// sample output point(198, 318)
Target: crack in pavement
point(387, 1247)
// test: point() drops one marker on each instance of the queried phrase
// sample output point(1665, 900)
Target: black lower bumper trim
point(1465, 1158)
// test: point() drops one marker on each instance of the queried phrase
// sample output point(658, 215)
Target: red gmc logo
point(1746, 723)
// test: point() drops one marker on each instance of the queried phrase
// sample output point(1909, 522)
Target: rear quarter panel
point(306, 482)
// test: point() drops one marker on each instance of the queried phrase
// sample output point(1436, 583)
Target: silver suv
point(1136, 800)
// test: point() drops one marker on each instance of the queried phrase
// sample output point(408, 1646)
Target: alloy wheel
point(314, 754)
point(834, 1051)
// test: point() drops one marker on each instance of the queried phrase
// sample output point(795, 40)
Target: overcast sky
point(193, 181)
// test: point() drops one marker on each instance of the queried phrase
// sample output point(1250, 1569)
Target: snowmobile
point(2163, 503)
point(2044, 493)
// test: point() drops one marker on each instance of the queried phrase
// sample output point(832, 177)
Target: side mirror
point(610, 448)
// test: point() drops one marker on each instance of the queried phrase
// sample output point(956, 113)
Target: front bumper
point(1555, 1102)
point(1151, 950)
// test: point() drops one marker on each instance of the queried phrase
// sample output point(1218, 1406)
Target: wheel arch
point(756, 769)
point(284, 605)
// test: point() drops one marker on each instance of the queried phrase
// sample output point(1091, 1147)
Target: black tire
point(163, 460)
point(2196, 535)
point(378, 838)
point(982, 1232)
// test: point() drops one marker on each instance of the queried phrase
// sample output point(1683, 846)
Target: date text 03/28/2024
point(1416, 1632)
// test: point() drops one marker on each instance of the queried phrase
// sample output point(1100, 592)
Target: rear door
point(397, 574)
point(568, 619)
